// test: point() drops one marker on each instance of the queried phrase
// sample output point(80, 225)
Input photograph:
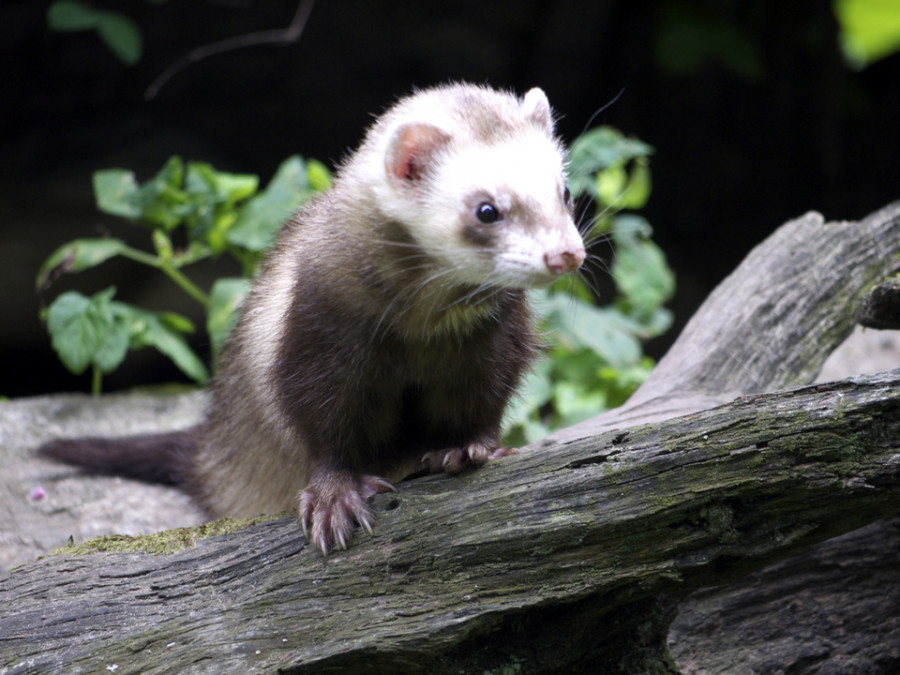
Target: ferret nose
point(564, 262)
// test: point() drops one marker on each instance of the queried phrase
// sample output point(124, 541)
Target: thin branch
point(279, 36)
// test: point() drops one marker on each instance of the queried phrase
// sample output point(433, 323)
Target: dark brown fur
point(404, 397)
point(155, 458)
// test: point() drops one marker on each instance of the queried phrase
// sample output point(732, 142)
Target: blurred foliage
point(595, 360)
point(690, 38)
point(870, 29)
point(116, 30)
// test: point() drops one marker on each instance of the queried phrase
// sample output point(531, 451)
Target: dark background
point(755, 116)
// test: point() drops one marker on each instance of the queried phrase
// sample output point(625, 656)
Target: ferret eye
point(567, 196)
point(487, 213)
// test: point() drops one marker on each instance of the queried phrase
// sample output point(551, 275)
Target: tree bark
point(574, 554)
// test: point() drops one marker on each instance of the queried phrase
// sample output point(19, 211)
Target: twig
point(281, 36)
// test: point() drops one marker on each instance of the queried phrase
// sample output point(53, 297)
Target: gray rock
point(44, 504)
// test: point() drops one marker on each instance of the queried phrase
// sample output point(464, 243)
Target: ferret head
point(477, 179)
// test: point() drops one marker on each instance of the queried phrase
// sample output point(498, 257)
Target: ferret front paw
point(454, 460)
point(334, 503)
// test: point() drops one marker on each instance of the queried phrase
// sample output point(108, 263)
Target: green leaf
point(225, 299)
point(148, 329)
point(599, 149)
point(637, 192)
point(80, 327)
point(656, 323)
point(620, 383)
point(581, 366)
point(161, 201)
point(260, 220)
point(870, 29)
point(575, 325)
point(318, 175)
point(639, 269)
point(526, 432)
point(213, 195)
point(121, 35)
point(79, 255)
point(535, 390)
point(233, 187)
point(162, 242)
point(629, 230)
point(98, 331)
point(208, 188)
point(112, 350)
point(115, 193)
point(177, 322)
point(606, 333)
point(69, 15)
point(611, 184)
point(574, 403)
point(116, 30)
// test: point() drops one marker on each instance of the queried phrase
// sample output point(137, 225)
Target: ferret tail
point(153, 458)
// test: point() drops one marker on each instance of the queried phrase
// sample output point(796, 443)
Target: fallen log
point(573, 554)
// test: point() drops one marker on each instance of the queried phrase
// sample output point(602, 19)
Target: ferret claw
point(365, 523)
point(454, 460)
point(375, 485)
point(333, 504)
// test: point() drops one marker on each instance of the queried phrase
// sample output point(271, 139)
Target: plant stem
point(97, 382)
point(185, 284)
point(169, 270)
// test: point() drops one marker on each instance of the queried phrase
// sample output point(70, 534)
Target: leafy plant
point(213, 213)
point(98, 331)
point(596, 360)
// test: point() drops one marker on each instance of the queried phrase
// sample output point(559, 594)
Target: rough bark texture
point(576, 554)
point(832, 609)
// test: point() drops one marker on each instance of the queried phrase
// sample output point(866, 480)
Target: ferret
point(389, 325)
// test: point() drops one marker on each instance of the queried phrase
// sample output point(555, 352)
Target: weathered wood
point(594, 529)
point(572, 554)
point(882, 306)
point(833, 609)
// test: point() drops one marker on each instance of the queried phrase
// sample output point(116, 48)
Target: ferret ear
point(537, 108)
point(412, 149)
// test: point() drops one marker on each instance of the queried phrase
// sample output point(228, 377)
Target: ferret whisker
point(411, 297)
point(474, 293)
point(584, 207)
point(597, 237)
point(588, 273)
point(603, 107)
point(401, 304)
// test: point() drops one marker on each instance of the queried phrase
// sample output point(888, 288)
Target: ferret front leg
point(334, 503)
